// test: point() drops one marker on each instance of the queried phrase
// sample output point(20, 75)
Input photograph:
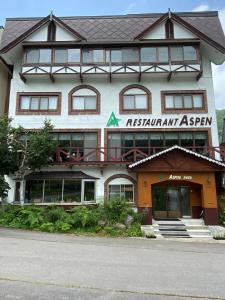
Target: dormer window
point(67, 56)
point(38, 56)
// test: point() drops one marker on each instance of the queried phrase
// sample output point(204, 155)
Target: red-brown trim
point(165, 110)
point(38, 112)
point(169, 30)
point(108, 180)
point(135, 111)
point(83, 112)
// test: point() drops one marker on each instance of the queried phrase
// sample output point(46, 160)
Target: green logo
point(113, 121)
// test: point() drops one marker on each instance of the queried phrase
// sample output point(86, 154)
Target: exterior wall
point(182, 33)
point(110, 99)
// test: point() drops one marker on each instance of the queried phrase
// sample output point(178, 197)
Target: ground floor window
point(63, 190)
point(122, 191)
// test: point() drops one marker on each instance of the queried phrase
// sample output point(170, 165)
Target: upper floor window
point(125, 55)
point(135, 99)
point(93, 56)
point(84, 99)
point(154, 54)
point(193, 101)
point(183, 53)
point(38, 103)
point(67, 56)
point(35, 56)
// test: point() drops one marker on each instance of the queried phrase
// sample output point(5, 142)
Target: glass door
point(173, 203)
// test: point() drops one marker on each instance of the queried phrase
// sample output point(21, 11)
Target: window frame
point(122, 93)
point(184, 61)
point(71, 95)
point(65, 63)
point(121, 185)
point(37, 63)
point(203, 109)
point(39, 111)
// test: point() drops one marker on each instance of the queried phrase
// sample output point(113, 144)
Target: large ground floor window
point(61, 190)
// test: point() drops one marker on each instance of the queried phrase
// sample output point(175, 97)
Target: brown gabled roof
point(118, 28)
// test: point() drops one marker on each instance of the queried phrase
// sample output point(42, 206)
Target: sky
point(41, 8)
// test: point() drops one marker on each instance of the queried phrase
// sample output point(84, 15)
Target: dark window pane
point(53, 191)
point(34, 191)
point(89, 191)
point(186, 139)
point(201, 139)
point(171, 139)
point(72, 190)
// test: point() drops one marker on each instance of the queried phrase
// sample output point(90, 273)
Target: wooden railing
point(125, 155)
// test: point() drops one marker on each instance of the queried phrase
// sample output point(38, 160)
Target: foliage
point(80, 220)
point(21, 150)
point(40, 147)
point(4, 187)
point(222, 217)
point(220, 114)
point(9, 147)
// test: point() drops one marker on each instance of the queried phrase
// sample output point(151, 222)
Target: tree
point(22, 150)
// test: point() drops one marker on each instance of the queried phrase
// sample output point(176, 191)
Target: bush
point(222, 217)
point(79, 219)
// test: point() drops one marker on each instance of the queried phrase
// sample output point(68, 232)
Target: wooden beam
point(169, 76)
point(199, 75)
point(22, 77)
point(52, 78)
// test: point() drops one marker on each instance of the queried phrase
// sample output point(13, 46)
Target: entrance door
point(170, 202)
point(173, 203)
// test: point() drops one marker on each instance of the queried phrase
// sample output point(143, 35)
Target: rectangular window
point(123, 192)
point(148, 54)
point(93, 55)
point(31, 103)
point(184, 101)
point(116, 55)
point(84, 103)
point(130, 55)
point(67, 56)
point(135, 102)
point(38, 56)
point(72, 190)
point(183, 53)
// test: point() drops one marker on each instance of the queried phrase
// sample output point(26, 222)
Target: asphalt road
point(42, 266)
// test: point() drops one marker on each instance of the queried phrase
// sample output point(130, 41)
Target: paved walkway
point(36, 265)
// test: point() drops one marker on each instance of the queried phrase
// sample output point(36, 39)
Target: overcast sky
point(38, 8)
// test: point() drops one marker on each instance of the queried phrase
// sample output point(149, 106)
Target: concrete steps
point(181, 228)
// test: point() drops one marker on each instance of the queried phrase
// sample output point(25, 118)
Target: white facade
point(155, 82)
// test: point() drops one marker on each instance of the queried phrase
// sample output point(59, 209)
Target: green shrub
point(84, 217)
point(222, 217)
point(54, 214)
point(48, 226)
point(134, 231)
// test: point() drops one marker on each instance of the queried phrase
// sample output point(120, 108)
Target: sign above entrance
point(113, 121)
point(180, 177)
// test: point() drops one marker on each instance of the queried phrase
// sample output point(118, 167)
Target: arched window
point(135, 99)
point(84, 99)
point(120, 186)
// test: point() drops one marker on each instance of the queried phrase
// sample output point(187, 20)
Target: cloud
point(219, 73)
point(201, 7)
point(130, 7)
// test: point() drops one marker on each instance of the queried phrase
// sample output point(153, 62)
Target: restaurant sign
point(168, 122)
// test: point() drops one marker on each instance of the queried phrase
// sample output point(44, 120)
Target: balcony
point(138, 62)
point(121, 156)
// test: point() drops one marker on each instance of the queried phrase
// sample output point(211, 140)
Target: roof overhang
point(58, 175)
point(171, 149)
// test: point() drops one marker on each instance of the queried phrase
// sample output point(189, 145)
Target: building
point(5, 78)
point(132, 102)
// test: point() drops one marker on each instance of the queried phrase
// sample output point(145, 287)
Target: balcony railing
point(119, 155)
